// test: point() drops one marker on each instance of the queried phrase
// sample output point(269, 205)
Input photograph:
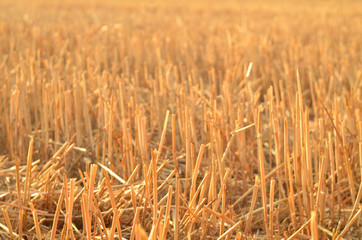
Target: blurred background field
point(180, 119)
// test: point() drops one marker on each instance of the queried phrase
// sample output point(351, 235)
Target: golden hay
point(180, 119)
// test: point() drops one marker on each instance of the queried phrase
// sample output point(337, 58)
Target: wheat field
point(180, 119)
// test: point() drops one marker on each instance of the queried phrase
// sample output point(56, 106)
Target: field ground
point(180, 119)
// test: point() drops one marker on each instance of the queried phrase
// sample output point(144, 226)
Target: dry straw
point(187, 120)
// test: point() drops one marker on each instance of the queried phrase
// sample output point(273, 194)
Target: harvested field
point(180, 119)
